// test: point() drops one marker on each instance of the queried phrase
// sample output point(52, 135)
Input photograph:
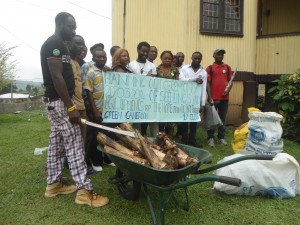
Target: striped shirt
point(94, 84)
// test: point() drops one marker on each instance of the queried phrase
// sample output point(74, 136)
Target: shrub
point(287, 96)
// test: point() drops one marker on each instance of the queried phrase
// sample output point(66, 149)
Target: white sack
point(265, 133)
point(277, 178)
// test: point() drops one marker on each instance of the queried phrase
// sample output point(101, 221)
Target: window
point(222, 17)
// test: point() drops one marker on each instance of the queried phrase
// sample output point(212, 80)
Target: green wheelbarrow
point(130, 177)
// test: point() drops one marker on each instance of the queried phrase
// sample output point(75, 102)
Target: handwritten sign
point(136, 98)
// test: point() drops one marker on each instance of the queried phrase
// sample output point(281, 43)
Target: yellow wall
point(283, 18)
point(174, 25)
point(278, 55)
point(235, 104)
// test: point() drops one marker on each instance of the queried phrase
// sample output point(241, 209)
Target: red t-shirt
point(219, 78)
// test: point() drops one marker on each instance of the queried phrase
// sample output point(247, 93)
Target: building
point(261, 38)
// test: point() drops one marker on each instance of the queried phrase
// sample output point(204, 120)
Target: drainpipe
point(124, 23)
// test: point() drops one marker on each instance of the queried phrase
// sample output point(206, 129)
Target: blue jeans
point(222, 108)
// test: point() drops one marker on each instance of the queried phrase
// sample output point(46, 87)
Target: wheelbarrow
point(130, 177)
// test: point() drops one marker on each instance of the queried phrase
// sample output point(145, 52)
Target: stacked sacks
point(265, 133)
point(240, 134)
point(277, 178)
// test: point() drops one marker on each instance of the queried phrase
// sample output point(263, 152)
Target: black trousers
point(93, 154)
point(189, 138)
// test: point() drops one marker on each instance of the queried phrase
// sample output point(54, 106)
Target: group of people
point(213, 79)
point(74, 90)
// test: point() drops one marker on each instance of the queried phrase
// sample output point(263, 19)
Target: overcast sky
point(28, 23)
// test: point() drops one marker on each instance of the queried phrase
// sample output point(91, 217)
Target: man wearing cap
point(218, 76)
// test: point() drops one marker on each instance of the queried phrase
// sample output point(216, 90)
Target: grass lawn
point(23, 184)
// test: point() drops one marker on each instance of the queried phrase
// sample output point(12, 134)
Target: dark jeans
point(222, 108)
point(189, 138)
point(179, 129)
point(144, 127)
point(162, 126)
point(93, 154)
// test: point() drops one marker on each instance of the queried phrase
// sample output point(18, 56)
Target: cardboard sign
point(136, 98)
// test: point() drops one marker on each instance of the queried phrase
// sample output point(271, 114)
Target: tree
point(29, 88)
point(7, 89)
point(35, 90)
point(287, 95)
point(8, 68)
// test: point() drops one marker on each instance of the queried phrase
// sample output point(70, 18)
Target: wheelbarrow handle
point(199, 179)
point(264, 157)
point(230, 180)
point(235, 160)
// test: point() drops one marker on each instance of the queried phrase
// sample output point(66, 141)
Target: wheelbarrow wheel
point(128, 189)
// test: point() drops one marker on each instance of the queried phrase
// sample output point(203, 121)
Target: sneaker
point(59, 188)
point(223, 142)
point(109, 164)
point(91, 198)
point(97, 168)
point(211, 143)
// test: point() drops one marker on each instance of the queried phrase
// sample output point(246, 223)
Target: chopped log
point(150, 155)
point(126, 126)
point(105, 140)
point(183, 158)
point(129, 141)
point(136, 145)
point(153, 145)
point(113, 151)
point(171, 160)
point(167, 158)
point(170, 146)
point(164, 141)
point(133, 143)
point(160, 154)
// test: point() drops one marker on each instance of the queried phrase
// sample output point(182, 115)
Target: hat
point(219, 50)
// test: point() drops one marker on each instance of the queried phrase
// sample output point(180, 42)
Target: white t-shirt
point(179, 68)
point(146, 68)
point(109, 64)
point(188, 74)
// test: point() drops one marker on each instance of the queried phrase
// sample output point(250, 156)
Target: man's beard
point(66, 36)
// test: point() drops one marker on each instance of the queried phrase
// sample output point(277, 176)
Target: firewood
point(164, 141)
point(129, 141)
point(170, 146)
point(150, 155)
point(126, 126)
point(183, 158)
point(105, 140)
point(166, 156)
point(171, 160)
point(132, 143)
point(153, 145)
point(113, 151)
point(160, 154)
